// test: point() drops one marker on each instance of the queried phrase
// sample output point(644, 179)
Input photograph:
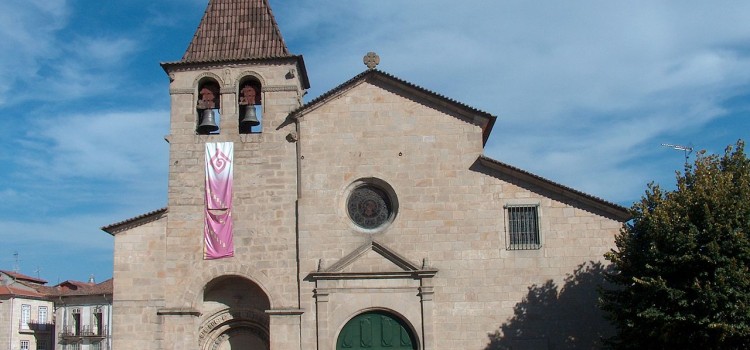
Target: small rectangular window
point(523, 227)
point(24, 345)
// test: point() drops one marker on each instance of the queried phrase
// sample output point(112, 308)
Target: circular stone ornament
point(369, 207)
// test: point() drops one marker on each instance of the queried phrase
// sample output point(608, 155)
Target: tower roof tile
point(236, 30)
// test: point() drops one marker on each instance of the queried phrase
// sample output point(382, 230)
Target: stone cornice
point(118, 227)
point(275, 88)
point(179, 91)
point(178, 311)
point(285, 312)
point(231, 90)
point(416, 274)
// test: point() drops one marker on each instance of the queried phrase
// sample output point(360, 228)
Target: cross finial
point(371, 60)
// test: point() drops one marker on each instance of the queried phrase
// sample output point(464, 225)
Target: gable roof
point(236, 29)
point(67, 288)
point(484, 119)
point(13, 291)
point(21, 277)
point(139, 220)
point(78, 288)
point(614, 210)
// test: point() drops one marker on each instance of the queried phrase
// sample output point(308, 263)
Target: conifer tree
point(681, 270)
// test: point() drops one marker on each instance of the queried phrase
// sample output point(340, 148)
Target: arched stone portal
point(376, 330)
point(236, 315)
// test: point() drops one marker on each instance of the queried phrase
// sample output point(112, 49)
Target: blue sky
point(585, 93)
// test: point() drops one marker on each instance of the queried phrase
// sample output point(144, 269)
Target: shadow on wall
point(548, 318)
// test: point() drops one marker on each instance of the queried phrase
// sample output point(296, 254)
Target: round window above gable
point(371, 205)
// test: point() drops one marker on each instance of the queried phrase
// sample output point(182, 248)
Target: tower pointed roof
point(236, 30)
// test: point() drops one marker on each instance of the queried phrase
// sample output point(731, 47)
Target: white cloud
point(585, 92)
point(110, 145)
point(40, 65)
point(106, 52)
point(580, 88)
point(27, 31)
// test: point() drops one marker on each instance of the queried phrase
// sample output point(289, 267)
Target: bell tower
point(230, 265)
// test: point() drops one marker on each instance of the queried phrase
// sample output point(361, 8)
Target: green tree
point(682, 264)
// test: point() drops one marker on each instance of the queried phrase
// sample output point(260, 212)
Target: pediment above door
point(373, 260)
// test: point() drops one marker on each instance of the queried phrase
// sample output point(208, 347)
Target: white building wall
point(11, 330)
point(87, 307)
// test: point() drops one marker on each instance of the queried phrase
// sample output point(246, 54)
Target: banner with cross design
point(217, 227)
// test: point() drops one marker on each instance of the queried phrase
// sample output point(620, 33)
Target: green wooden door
point(376, 330)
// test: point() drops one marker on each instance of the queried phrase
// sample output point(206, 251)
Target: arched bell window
point(250, 107)
point(208, 107)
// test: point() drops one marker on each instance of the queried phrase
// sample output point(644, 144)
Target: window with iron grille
point(42, 318)
point(24, 345)
point(523, 227)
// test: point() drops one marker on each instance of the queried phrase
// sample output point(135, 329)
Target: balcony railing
point(83, 332)
point(35, 326)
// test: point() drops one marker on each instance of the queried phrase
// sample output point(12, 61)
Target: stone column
point(321, 303)
point(426, 293)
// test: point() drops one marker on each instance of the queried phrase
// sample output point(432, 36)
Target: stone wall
point(138, 286)
point(264, 203)
point(291, 223)
point(450, 212)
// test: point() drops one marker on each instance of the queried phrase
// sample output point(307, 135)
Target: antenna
point(686, 149)
point(16, 266)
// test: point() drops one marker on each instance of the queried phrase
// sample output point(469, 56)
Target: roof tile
point(22, 277)
point(236, 29)
point(71, 288)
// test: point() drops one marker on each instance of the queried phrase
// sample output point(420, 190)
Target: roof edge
point(383, 76)
point(21, 277)
point(172, 66)
point(136, 221)
point(616, 211)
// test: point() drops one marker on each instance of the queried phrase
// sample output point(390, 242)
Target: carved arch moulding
point(222, 325)
point(248, 74)
point(205, 75)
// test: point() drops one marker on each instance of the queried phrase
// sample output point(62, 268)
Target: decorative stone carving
point(371, 60)
point(227, 76)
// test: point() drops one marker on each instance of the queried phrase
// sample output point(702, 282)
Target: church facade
point(367, 218)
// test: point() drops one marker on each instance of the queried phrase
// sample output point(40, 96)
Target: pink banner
point(217, 227)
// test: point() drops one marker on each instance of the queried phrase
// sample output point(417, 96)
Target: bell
point(249, 118)
point(208, 122)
